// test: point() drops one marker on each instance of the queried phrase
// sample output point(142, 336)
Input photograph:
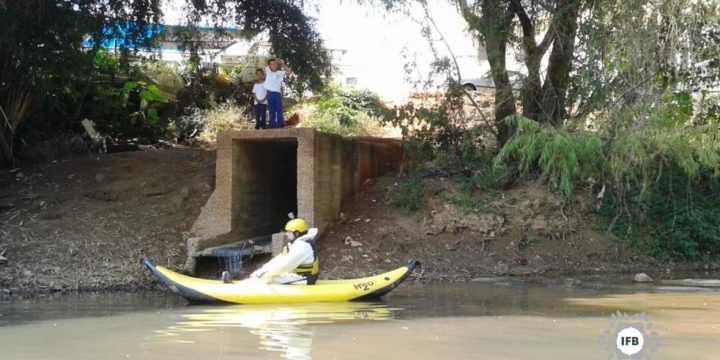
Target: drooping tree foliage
point(42, 60)
point(636, 50)
point(48, 51)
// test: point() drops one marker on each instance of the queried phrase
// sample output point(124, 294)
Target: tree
point(542, 101)
point(44, 65)
point(292, 34)
point(636, 50)
point(497, 24)
point(493, 20)
point(42, 58)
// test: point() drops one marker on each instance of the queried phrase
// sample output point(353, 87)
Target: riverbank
point(82, 224)
point(523, 231)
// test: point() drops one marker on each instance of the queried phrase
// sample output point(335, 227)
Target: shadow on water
point(76, 305)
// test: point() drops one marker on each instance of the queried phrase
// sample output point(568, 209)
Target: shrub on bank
point(205, 124)
point(346, 113)
point(655, 166)
point(410, 194)
point(652, 167)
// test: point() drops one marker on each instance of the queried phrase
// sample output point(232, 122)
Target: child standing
point(273, 85)
point(260, 95)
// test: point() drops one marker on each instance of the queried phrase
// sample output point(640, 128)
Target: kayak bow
point(252, 291)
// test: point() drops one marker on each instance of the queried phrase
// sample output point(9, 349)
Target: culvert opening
point(211, 267)
point(264, 185)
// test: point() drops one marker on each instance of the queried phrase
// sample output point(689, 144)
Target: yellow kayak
point(252, 291)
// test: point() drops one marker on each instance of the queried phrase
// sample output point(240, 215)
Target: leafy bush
point(353, 113)
point(417, 153)
point(359, 125)
point(465, 199)
point(126, 109)
point(442, 125)
point(347, 104)
point(166, 76)
point(491, 177)
point(410, 195)
point(659, 161)
point(205, 124)
point(668, 218)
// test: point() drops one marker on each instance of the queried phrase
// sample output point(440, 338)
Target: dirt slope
point(84, 223)
point(526, 230)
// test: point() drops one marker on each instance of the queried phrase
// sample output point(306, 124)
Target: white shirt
point(260, 93)
point(300, 252)
point(273, 79)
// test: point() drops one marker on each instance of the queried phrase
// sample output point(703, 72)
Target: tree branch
point(457, 66)
point(467, 13)
point(551, 34)
point(547, 40)
point(525, 22)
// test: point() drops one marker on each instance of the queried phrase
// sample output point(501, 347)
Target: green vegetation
point(627, 113)
point(661, 174)
point(410, 194)
point(561, 155)
point(205, 124)
point(468, 164)
point(55, 72)
point(626, 109)
point(346, 113)
point(671, 218)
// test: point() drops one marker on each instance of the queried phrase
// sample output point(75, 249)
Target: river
point(498, 320)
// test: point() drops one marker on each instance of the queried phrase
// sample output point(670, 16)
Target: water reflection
point(287, 330)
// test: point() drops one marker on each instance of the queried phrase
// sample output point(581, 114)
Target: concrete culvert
point(261, 176)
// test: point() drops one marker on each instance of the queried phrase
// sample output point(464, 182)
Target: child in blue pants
point(273, 85)
point(260, 103)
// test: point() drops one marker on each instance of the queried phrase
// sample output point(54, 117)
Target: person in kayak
point(298, 264)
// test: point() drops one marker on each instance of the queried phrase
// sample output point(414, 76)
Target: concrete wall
point(263, 175)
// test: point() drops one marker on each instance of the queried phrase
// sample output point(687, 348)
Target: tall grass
point(561, 155)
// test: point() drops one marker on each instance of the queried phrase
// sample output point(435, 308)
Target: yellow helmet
point(297, 225)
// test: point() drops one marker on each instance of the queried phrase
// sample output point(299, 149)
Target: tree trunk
point(554, 90)
point(504, 99)
point(20, 103)
point(495, 26)
point(533, 57)
point(6, 155)
point(532, 87)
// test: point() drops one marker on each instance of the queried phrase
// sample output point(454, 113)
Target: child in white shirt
point(260, 99)
point(273, 85)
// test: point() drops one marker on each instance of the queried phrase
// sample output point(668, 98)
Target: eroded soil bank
point(84, 223)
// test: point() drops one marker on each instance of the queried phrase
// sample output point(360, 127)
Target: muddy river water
point(469, 321)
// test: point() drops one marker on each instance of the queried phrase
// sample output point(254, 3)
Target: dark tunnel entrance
point(264, 185)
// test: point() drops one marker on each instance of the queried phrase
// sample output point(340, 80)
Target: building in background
point(224, 46)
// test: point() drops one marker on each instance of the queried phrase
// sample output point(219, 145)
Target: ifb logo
point(630, 336)
point(630, 341)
